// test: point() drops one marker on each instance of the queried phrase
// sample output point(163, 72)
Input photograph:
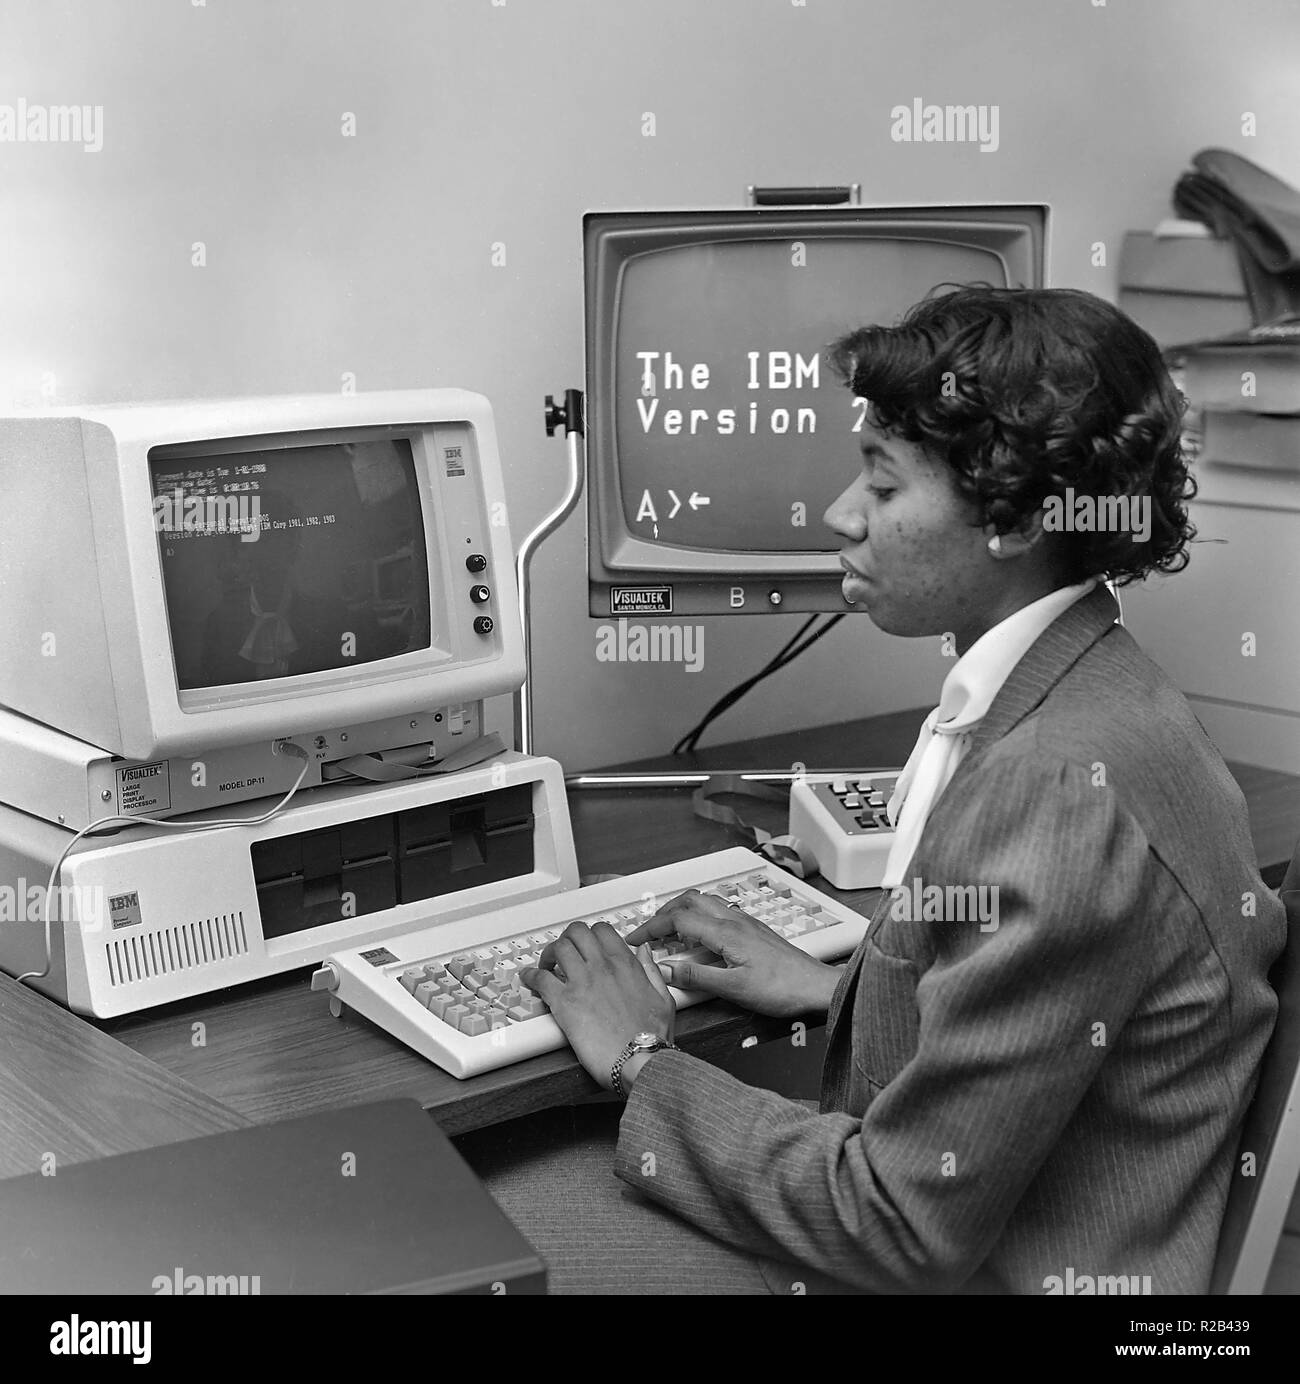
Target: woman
point(1059, 1088)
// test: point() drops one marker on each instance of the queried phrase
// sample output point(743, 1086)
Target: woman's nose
point(845, 516)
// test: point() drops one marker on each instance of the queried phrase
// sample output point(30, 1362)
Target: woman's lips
point(854, 585)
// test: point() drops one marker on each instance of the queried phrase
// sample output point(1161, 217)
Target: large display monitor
point(716, 437)
point(179, 578)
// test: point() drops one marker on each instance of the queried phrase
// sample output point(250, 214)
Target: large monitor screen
point(288, 561)
point(722, 397)
point(717, 434)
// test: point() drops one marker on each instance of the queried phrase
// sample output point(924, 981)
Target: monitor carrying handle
point(846, 195)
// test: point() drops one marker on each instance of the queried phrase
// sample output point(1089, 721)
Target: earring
point(995, 543)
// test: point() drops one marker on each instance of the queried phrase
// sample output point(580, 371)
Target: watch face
point(644, 1040)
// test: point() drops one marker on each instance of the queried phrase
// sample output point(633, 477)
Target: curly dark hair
point(1028, 392)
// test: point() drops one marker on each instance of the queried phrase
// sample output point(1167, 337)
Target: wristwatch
point(643, 1042)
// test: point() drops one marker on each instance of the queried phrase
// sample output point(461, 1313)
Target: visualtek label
point(143, 788)
point(641, 600)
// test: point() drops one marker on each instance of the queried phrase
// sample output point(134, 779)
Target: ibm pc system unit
point(204, 604)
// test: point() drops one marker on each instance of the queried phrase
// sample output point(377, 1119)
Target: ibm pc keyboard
point(452, 992)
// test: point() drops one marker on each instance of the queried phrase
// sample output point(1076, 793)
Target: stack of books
point(1244, 392)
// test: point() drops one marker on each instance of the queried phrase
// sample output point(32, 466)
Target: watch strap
point(629, 1052)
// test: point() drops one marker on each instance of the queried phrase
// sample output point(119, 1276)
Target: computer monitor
point(177, 578)
point(716, 437)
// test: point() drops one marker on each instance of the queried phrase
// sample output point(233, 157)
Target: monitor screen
point(717, 434)
point(287, 561)
point(765, 440)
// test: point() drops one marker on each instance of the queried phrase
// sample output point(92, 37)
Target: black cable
point(786, 655)
point(689, 740)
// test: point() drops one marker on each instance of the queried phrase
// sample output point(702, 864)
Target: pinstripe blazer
point(1047, 1100)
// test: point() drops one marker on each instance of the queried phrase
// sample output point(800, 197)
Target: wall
point(479, 123)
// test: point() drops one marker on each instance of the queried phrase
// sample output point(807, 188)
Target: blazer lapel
point(1045, 663)
point(1060, 646)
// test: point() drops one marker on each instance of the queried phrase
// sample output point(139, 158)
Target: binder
point(367, 1199)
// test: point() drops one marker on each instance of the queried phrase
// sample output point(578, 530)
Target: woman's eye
point(881, 492)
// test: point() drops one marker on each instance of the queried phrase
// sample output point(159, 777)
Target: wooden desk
point(273, 1051)
point(69, 1090)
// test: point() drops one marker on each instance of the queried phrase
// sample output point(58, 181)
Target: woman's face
point(915, 557)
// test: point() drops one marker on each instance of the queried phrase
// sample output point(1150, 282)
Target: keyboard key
point(839, 786)
point(440, 1004)
point(473, 1024)
point(505, 972)
point(852, 801)
point(454, 1013)
point(425, 991)
point(410, 979)
point(458, 965)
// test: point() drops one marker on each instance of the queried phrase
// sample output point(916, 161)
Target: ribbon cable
point(789, 852)
point(369, 766)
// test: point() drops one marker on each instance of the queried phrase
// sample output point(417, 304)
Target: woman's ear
point(1021, 539)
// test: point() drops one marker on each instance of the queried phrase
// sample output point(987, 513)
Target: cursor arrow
point(696, 499)
point(677, 504)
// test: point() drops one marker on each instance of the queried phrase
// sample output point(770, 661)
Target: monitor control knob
point(483, 624)
point(774, 598)
point(476, 562)
point(479, 594)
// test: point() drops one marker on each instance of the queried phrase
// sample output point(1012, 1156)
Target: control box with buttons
point(842, 820)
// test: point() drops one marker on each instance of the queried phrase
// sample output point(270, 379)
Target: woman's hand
point(763, 971)
point(601, 994)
